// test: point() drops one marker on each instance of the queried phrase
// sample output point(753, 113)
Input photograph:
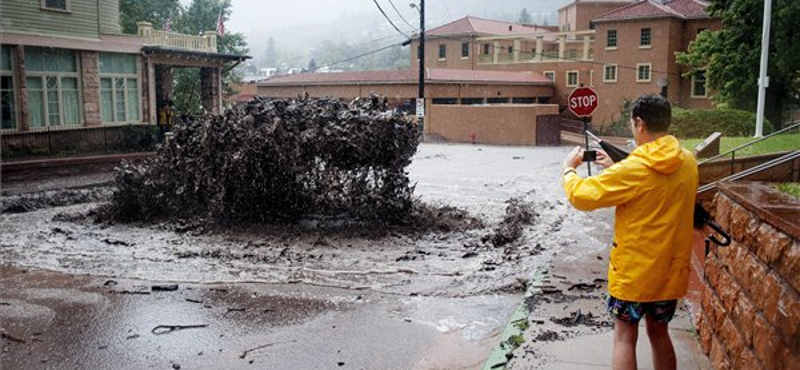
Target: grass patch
point(779, 143)
point(522, 325)
point(515, 341)
point(791, 188)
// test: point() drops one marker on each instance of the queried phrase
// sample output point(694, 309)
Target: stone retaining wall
point(751, 312)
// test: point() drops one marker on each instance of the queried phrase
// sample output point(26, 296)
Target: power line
point(388, 19)
point(363, 55)
point(447, 8)
point(401, 16)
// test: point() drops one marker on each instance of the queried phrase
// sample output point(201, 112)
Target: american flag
point(220, 24)
point(168, 25)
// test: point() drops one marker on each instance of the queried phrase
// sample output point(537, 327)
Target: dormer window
point(57, 5)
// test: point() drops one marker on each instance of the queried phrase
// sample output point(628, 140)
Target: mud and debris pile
point(518, 214)
point(277, 161)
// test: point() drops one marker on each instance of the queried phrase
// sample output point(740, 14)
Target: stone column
point(496, 52)
point(210, 89)
point(90, 81)
point(163, 83)
point(562, 44)
point(210, 38)
point(539, 47)
point(19, 74)
point(587, 39)
point(517, 47)
point(144, 29)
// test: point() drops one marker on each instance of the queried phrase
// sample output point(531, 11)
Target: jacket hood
point(663, 155)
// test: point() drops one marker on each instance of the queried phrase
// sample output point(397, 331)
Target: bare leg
point(625, 335)
point(660, 342)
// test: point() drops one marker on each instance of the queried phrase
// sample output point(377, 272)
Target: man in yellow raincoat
point(653, 190)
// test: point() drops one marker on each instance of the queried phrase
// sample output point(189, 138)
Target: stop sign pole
point(582, 102)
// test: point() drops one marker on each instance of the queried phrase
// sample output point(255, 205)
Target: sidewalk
point(567, 327)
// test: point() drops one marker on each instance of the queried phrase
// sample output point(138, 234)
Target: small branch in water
point(164, 329)
point(10, 337)
point(244, 354)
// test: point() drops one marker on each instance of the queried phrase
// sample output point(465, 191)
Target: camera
point(589, 155)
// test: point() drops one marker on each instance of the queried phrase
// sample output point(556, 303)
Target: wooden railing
point(207, 42)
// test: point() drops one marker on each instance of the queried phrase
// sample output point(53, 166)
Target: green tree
point(201, 16)
point(271, 54)
point(731, 56)
point(524, 17)
point(156, 12)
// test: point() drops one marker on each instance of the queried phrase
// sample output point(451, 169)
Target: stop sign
point(583, 101)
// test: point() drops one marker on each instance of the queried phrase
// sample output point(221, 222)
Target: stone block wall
point(751, 309)
point(90, 79)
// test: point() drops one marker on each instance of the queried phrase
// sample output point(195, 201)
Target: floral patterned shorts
point(632, 312)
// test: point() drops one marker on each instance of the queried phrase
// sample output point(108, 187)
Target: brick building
point(622, 49)
point(461, 103)
point(66, 66)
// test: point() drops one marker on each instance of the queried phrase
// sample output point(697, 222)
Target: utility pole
point(421, 95)
point(763, 79)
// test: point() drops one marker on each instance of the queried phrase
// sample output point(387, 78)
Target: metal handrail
point(751, 171)
point(794, 125)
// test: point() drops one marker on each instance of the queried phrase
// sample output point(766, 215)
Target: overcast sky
point(298, 25)
point(258, 16)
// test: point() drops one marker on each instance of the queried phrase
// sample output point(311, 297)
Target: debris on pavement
point(164, 287)
point(518, 213)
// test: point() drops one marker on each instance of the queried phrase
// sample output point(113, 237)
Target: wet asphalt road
point(69, 320)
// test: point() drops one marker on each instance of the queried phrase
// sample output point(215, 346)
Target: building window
point(611, 39)
point(510, 49)
point(497, 100)
point(119, 88)
point(644, 39)
point(465, 50)
point(442, 52)
point(610, 73)
point(485, 49)
point(62, 5)
point(699, 85)
point(444, 101)
point(53, 92)
point(472, 101)
point(643, 71)
point(523, 100)
point(8, 110)
point(551, 75)
point(572, 79)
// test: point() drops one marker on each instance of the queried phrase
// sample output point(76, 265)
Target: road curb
point(500, 355)
point(45, 163)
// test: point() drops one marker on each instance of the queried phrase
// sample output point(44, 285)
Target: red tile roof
point(683, 9)
point(690, 8)
point(621, 2)
point(474, 26)
point(408, 76)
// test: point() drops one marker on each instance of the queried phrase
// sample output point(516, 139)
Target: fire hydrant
point(473, 138)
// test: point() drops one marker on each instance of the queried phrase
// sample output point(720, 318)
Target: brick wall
point(491, 124)
point(750, 312)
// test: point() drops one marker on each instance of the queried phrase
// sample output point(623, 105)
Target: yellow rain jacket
point(654, 191)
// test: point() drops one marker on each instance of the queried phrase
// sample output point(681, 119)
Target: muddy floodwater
point(80, 294)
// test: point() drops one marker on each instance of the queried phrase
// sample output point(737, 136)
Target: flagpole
point(763, 79)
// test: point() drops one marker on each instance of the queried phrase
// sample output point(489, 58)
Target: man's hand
point(603, 160)
point(574, 158)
